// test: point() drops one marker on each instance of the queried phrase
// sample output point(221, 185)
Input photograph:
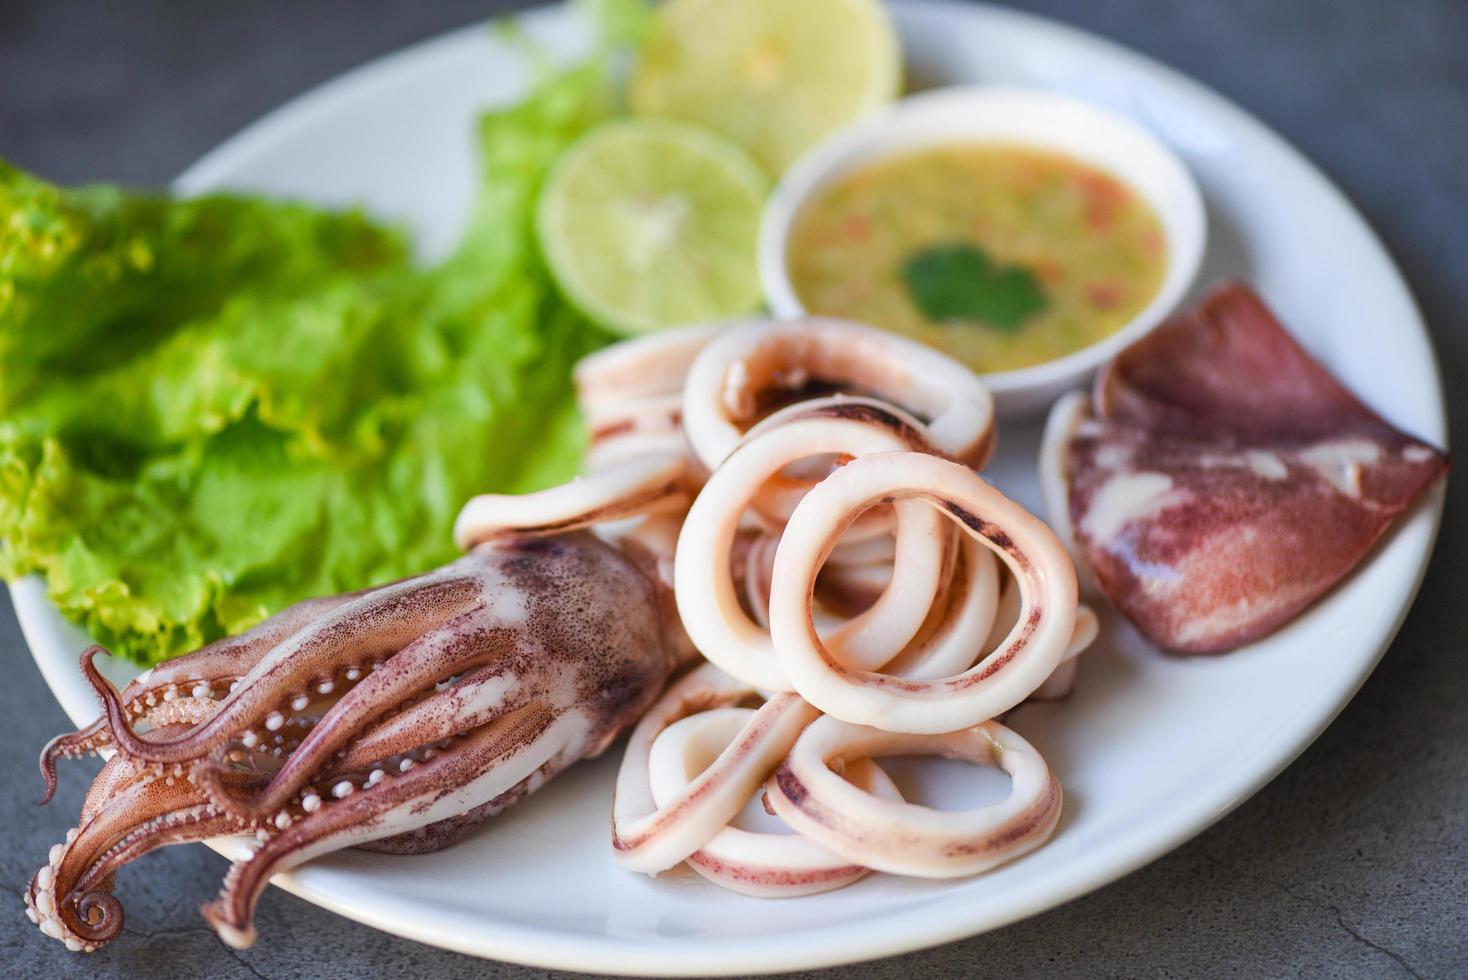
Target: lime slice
point(772, 75)
point(650, 223)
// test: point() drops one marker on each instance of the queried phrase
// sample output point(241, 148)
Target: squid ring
point(627, 447)
point(708, 603)
point(852, 588)
point(644, 413)
point(1059, 684)
point(1062, 680)
point(905, 838)
point(749, 368)
point(625, 428)
point(1029, 654)
point(867, 551)
point(777, 497)
point(651, 484)
point(633, 427)
point(765, 865)
point(759, 562)
point(968, 610)
point(649, 837)
point(654, 364)
point(1066, 418)
point(843, 592)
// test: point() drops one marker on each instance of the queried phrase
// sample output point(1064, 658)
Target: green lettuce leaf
point(211, 408)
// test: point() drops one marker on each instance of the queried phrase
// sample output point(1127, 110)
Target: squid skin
point(1220, 480)
point(396, 719)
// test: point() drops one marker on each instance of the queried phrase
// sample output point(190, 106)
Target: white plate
point(1150, 751)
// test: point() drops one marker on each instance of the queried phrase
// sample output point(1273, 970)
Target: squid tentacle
point(72, 745)
point(129, 812)
point(363, 630)
point(479, 697)
point(483, 765)
point(462, 643)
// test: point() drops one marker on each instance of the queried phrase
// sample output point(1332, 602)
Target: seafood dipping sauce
point(1002, 255)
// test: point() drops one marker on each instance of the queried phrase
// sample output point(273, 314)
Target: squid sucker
point(396, 719)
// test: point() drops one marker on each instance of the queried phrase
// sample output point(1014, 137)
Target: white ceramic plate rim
point(947, 116)
point(460, 929)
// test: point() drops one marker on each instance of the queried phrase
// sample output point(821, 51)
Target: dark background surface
point(1354, 862)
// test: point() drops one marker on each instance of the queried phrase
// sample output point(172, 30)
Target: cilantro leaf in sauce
point(958, 281)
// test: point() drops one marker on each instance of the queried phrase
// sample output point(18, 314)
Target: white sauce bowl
point(993, 114)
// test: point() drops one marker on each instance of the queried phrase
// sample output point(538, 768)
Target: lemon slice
point(649, 223)
point(772, 75)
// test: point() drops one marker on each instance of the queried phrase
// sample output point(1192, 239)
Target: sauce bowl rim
point(938, 117)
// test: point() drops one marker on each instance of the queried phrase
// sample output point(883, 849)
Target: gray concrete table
point(1354, 862)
